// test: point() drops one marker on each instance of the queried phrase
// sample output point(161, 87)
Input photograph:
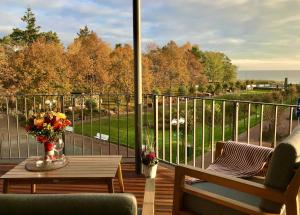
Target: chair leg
point(292, 207)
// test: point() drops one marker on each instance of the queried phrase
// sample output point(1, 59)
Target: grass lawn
point(117, 130)
point(257, 92)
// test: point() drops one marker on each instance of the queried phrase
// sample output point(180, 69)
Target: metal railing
point(187, 128)
point(101, 124)
point(183, 129)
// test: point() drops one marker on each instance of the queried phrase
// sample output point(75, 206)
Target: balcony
point(103, 125)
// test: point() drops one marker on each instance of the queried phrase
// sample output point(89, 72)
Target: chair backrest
point(68, 204)
point(284, 161)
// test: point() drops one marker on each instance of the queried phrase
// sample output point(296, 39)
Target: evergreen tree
point(50, 36)
point(84, 32)
point(31, 32)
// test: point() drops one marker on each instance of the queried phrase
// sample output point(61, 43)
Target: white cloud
point(232, 41)
point(287, 20)
point(5, 30)
point(266, 64)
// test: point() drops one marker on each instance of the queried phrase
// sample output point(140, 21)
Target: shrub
point(90, 104)
point(182, 91)
point(156, 91)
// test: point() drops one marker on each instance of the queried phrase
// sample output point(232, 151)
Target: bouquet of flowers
point(149, 157)
point(47, 127)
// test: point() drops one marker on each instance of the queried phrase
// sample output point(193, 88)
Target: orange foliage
point(122, 69)
point(89, 58)
point(41, 68)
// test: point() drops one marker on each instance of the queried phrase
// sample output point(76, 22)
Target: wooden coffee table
point(80, 170)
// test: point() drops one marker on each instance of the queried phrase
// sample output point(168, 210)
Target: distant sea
point(275, 75)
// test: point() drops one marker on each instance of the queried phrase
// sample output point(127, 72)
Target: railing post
point(170, 131)
point(223, 120)
point(8, 125)
point(291, 120)
point(185, 131)
point(194, 131)
point(212, 130)
point(62, 102)
point(178, 132)
point(155, 121)
point(163, 129)
point(249, 123)
point(17, 127)
point(261, 124)
point(203, 135)
point(275, 126)
point(235, 130)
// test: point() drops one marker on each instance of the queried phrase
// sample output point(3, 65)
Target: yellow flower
point(60, 115)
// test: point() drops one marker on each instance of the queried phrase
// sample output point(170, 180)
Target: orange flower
point(39, 122)
point(58, 125)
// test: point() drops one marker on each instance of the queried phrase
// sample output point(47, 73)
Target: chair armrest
point(149, 197)
point(231, 182)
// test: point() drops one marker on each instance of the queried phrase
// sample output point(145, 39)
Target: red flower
point(151, 156)
point(67, 122)
point(42, 139)
point(53, 120)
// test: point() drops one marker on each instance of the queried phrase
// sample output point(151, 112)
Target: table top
point(79, 167)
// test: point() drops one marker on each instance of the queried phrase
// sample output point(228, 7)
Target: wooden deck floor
point(133, 184)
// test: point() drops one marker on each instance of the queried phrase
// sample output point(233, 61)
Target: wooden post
point(137, 83)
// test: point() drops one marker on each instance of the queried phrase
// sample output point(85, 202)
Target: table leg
point(110, 185)
point(5, 186)
point(120, 178)
point(33, 188)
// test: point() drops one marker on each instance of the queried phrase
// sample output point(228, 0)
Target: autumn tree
point(122, 69)
point(169, 66)
point(89, 58)
point(147, 77)
point(195, 69)
point(153, 56)
point(7, 81)
point(41, 68)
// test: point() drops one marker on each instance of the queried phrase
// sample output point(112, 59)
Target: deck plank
point(133, 184)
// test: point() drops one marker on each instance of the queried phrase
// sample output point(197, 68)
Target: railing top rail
point(226, 100)
point(70, 94)
point(159, 95)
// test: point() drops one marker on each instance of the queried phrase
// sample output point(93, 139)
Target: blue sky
point(255, 34)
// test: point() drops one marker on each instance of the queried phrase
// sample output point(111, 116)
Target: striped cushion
point(241, 160)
